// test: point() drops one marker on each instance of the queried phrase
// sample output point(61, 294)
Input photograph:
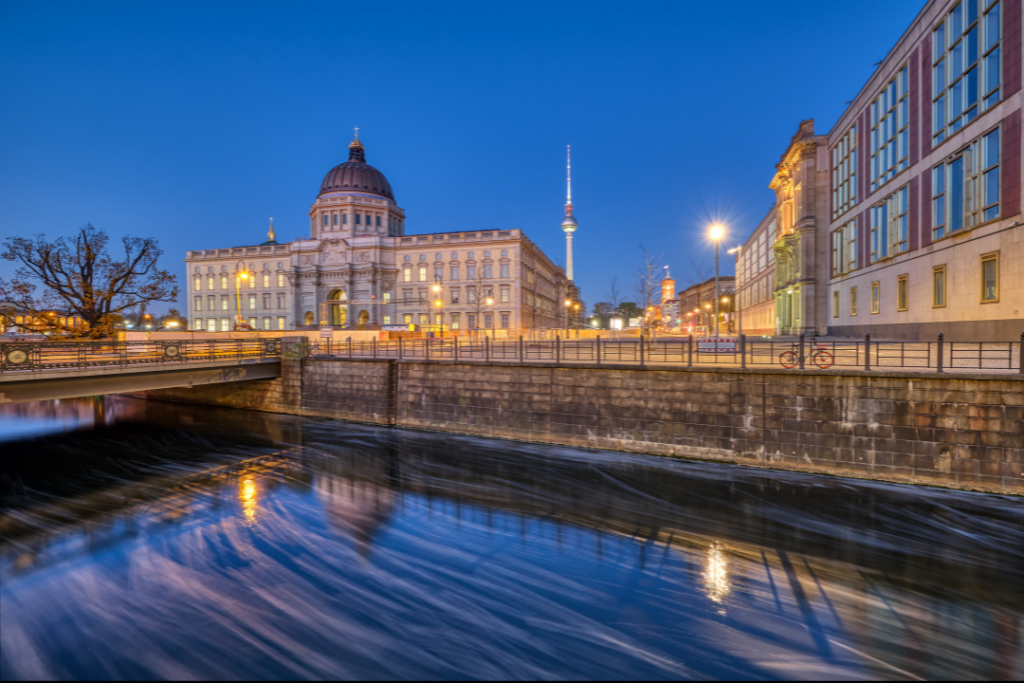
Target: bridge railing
point(56, 355)
point(803, 353)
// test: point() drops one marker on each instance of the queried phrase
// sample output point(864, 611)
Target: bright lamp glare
point(716, 232)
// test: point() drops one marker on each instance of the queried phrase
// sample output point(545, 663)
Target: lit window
point(901, 293)
point(224, 281)
point(225, 324)
point(990, 278)
point(199, 303)
point(957, 86)
point(280, 323)
point(455, 321)
point(844, 173)
point(387, 297)
point(280, 279)
point(423, 273)
point(266, 323)
point(844, 249)
point(198, 324)
point(408, 275)
point(890, 135)
point(966, 188)
point(407, 318)
point(387, 320)
point(889, 225)
point(252, 302)
point(223, 303)
point(252, 323)
point(504, 295)
point(266, 280)
point(211, 304)
point(252, 281)
point(874, 297)
point(938, 286)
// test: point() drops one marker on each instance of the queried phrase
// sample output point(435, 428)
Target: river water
point(155, 540)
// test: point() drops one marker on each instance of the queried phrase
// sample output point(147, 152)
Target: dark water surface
point(154, 540)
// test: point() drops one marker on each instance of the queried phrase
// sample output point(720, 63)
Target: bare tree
point(78, 276)
point(648, 282)
point(614, 294)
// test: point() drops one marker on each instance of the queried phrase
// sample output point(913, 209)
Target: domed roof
point(356, 175)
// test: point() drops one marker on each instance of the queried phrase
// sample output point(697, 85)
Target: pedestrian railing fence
point(926, 356)
point(51, 355)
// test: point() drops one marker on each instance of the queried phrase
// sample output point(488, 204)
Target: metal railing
point(51, 355)
point(931, 356)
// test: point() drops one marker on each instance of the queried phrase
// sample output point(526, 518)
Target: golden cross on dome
point(357, 132)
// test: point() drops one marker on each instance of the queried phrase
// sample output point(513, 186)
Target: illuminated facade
point(755, 269)
point(925, 233)
point(359, 270)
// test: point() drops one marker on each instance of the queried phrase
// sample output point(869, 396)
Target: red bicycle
point(819, 356)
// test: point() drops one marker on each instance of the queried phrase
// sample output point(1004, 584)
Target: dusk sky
point(195, 122)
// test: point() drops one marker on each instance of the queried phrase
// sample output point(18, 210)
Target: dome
point(355, 175)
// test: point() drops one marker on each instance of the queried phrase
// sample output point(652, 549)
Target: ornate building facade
point(801, 195)
point(359, 270)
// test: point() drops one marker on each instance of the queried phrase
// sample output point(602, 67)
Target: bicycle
point(819, 356)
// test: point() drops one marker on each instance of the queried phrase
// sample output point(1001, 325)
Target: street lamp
point(739, 284)
point(490, 304)
point(716, 233)
point(568, 303)
point(238, 297)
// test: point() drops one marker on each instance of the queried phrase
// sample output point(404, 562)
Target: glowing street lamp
point(716, 233)
point(238, 296)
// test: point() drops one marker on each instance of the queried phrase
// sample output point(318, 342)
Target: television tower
point(569, 224)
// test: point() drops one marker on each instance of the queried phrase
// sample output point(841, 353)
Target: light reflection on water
point(328, 550)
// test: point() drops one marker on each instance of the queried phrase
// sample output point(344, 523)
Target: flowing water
point(154, 540)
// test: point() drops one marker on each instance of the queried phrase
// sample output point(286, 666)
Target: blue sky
point(195, 122)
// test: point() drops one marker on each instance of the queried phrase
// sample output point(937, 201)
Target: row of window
point(989, 292)
point(455, 255)
point(225, 324)
point(252, 267)
point(758, 292)
point(455, 320)
point(250, 281)
point(965, 193)
point(486, 272)
point(368, 220)
point(504, 294)
point(966, 80)
point(226, 305)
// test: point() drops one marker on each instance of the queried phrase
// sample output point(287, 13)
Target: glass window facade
point(844, 173)
point(890, 134)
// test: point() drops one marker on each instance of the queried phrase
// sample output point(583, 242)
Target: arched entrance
point(339, 311)
point(308, 318)
point(364, 319)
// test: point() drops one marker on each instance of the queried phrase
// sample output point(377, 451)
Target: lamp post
point(725, 300)
point(490, 304)
point(739, 286)
point(568, 304)
point(438, 307)
point(716, 233)
point(238, 297)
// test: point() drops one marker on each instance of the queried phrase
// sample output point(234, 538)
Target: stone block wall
point(952, 430)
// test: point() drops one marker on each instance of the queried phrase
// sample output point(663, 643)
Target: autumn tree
point(78, 276)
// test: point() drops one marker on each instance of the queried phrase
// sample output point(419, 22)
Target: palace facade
point(359, 270)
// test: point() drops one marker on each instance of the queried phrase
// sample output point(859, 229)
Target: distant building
point(697, 302)
point(15, 320)
point(755, 268)
point(358, 269)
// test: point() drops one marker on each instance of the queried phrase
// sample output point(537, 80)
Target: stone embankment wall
point(952, 430)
